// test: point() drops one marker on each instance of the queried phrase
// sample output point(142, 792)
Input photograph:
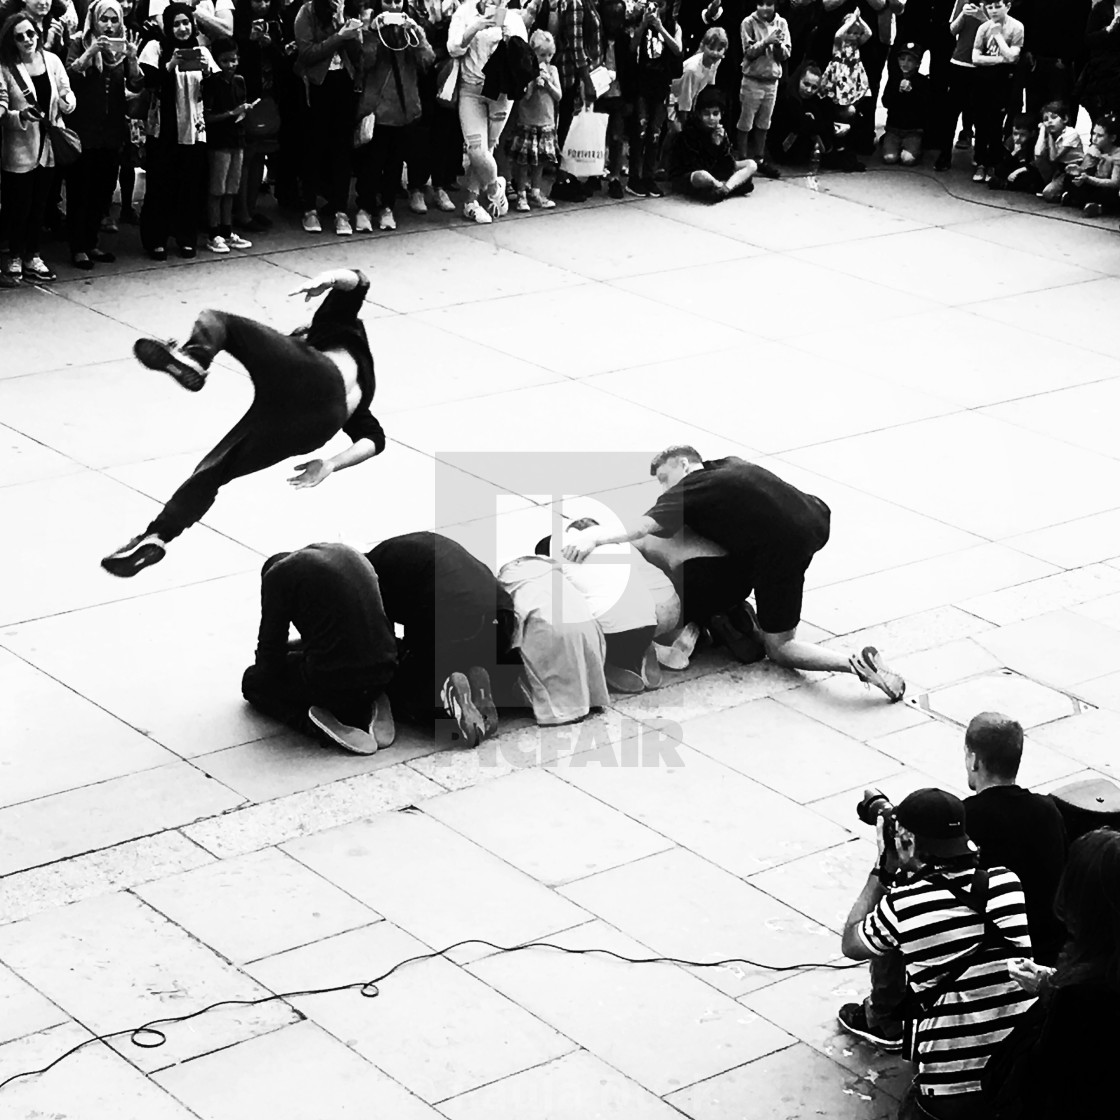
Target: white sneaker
point(217, 245)
point(386, 219)
point(978, 174)
point(416, 202)
point(443, 200)
point(363, 223)
point(236, 241)
point(497, 202)
point(474, 212)
point(311, 223)
point(342, 225)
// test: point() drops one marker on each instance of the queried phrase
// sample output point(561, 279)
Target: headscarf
point(89, 29)
point(170, 43)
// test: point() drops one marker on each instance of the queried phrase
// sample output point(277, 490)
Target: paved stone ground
point(944, 374)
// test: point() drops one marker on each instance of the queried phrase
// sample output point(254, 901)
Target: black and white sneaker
point(483, 696)
point(169, 358)
point(853, 1018)
point(140, 552)
point(868, 667)
point(352, 739)
point(460, 706)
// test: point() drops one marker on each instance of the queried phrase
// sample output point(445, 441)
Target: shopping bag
point(363, 130)
point(585, 149)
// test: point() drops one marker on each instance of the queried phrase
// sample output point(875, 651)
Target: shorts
point(757, 99)
point(225, 170)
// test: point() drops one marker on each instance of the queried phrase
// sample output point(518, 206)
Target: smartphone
point(117, 45)
point(189, 59)
point(388, 19)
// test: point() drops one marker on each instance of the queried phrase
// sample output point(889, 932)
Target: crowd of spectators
point(214, 99)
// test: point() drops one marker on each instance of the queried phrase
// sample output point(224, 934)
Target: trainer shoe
point(236, 241)
point(623, 680)
point(342, 226)
point(459, 705)
point(636, 187)
point(140, 552)
point(496, 201)
point(522, 203)
point(169, 358)
point(853, 1018)
point(651, 668)
point(363, 223)
point(417, 203)
point(483, 696)
point(978, 173)
point(474, 212)
point(352, 739)
point(768, 170)
point(744, 645)
point(614, 189)
point(868, 666)
point(677, 655)
point(386, 219)
point(541, 201)
point(217, 245)
point(443, 200)
point(311, 223)
point(38, 271)
point(382, 727)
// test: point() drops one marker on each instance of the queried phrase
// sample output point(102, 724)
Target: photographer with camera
point(954, 925)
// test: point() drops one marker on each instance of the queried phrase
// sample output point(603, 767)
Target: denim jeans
point(483, 120)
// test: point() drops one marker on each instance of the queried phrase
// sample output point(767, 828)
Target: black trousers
point(991, 87)
point(287, 696)
point(329, 141)
point(299, 402)
point(627, 648)
point(24, 195)
point(710, 585)
point(380, 162)
point(446, 147)
point(960, 100)
point(175, 193)
point(90, 182)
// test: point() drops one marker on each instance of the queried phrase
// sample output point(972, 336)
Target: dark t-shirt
point(221, 93)
point(1024, 831)
point(330, 594)
point(746, 509)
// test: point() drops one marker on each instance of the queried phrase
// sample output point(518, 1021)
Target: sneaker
point(188, 252)
point(382, 727)
point(541, 201)
point(483, 696)
point(363, 223)
point(614, 189)
point(677, 655)
point(416, 202)
point(311, 223)
point(169, 358)
point(943, 162)
point(460, 706)
point(1092, 209)
point(636, 187)
point(744, 619)
point(140, 552)
point(13, 272)
point(522, 204)
point(964, 140)
point(853, 1018)
point(108, 225)
point(474, 212)
point(497, 202)
point(342, 226)
point(978, 174)
point(654, 191)
point(623, 680)
point(352, 739)
point(386, 220)
point(217, 245)
point(443, 200)
point(868, 666)
point(744, 645)
point(38, 271)
point(236, 241)
point(768, 170)
point(99, 256)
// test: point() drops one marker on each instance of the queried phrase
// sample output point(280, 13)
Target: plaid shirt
point(572, 53)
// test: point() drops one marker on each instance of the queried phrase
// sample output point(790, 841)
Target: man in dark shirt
point(330, 683)
point(771, 530)
point(307, 386)
point(457, 621)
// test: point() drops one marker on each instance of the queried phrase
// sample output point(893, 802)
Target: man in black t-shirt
point(771, 530)
point(307, 387)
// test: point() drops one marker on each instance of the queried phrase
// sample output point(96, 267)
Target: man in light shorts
point(766, 45)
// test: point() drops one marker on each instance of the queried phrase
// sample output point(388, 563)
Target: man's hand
point(1028, 975)
point(312, 289)
point(313, 472)
point(580, 548)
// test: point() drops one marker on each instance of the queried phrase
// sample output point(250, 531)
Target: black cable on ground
point(149, 1036)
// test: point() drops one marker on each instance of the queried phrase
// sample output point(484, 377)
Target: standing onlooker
point(844, 82)
point(966, 21)
point(477, 29)
point(445, 134)
point(906, 100)
point(765, 38)
point(616, 102)
point(174, 67)
point(1056, 33)
point(700, 70)
point(28, 155)
point(329, 59)
point(995, 54)
point(578, 31)
point(534, 138)
point(393, 57)
point(657, 62)
point(1098, 87)
point(225, 103)
point(103, 65)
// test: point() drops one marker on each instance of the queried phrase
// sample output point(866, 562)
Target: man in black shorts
point(307, 386)
point(770, 530)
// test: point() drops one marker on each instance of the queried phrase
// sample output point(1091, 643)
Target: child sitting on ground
point(703, 163)
point(907, 103)
point(225, 104)
point(1058, 148)
point(1094, 184)
point(845, 81)
point(699, 71)
point(1016, 171)
point(534, 138)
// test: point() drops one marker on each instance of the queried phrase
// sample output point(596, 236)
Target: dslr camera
point(872, 806)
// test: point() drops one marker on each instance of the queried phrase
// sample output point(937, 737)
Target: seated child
point(703, 163)
point(804, 126)
point(1016, 171)
point(699, 71)
point(1094, 184)
point(1057, 149)
point(534, 137)
point(907, 102)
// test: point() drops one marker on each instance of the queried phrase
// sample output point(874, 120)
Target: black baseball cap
point(910, 48)
point(936, 818)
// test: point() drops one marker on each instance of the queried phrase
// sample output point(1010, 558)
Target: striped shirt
point(933, 931)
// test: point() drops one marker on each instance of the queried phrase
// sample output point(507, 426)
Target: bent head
point(1088, 903)
point(672, 464)
point(993, 749)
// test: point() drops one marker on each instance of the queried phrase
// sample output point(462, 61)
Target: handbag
point(585, 149)
point(66, 145)
point(262, 121)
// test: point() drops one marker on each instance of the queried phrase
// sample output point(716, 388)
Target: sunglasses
point(26, 35)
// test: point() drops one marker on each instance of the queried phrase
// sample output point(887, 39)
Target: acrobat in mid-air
point(307, 387)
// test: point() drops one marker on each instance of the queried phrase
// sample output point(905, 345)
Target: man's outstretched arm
point(590, 539)
point(347, 288)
